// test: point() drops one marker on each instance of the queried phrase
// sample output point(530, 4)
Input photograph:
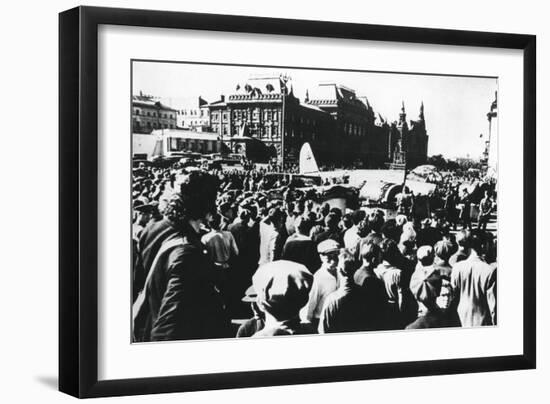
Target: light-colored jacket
point(475, 285)
point(324, 283)
point(271, 244)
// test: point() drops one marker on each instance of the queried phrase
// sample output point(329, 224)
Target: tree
point(438, 161)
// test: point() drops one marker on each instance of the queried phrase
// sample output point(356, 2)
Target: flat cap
point(282, 288)
point(328, 246)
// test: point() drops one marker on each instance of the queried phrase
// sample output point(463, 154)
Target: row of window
point(194, 145)
point(193, 112)
point(154, 125)
point(267, 115)
point(354, 130)
point(243, 115)
point(302, 120)
point(196, 122)
point(154, 114)
point(300, 135)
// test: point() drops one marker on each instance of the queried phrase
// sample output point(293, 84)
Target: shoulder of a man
point(154, 231)
point(463, 268)
point(484, 269)
point(184, 251)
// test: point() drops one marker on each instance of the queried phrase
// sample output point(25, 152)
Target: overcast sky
point(455, 108)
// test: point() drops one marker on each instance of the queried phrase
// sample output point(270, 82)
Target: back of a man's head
point(357, 216)
point(325, 209)
point(331, 221)
point(197, 197)
point(390, 252)
point(303, 225)
point(346, 264)
point(443, 249)
point(390, 230)
point(375, 222)
point(276, 216)
point(464, 239)
point(337, 212)
point(370, 253)
point(346, 221)
point(244, 214)
point(215, 221)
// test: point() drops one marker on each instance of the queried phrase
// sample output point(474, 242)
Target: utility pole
point(403, 148)
point(283, 131)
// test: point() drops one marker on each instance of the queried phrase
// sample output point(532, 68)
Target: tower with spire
point(402, 115)
point(408, 140)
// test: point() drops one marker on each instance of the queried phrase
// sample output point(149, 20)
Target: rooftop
point(185, 134)
point(330, 93)
point(137, 100)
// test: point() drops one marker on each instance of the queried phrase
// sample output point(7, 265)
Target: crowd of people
point(218, 254)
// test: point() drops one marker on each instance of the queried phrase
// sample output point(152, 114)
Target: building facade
point(341, 127)
point(193, 115)
point(265, 108)
point(149, 114)
point(356, 138)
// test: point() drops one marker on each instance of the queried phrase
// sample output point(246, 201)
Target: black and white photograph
point(278, 201)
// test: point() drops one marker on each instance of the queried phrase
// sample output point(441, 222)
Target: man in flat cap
point(282, 289)
point(424, 269)
point(324, 281)
point(257, 322)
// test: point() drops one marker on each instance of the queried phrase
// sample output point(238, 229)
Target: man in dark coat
point(300, 248)
point(330, 230)
point(346, 309)
point(394, 272)
point(245, 264)
point(373, 287)
point(148, 245)
point(180, 300)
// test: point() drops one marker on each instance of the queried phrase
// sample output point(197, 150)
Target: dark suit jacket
point(303, 251)
point(436, 319)
point(148, 246)
point(183, 302)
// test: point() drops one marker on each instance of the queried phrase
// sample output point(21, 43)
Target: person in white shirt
point(351, 236)
point(325, 281)
point(272, 236)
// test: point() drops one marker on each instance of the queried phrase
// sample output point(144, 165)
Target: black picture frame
point(78, 206)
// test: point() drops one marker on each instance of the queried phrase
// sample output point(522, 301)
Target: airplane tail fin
point(308, 165)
